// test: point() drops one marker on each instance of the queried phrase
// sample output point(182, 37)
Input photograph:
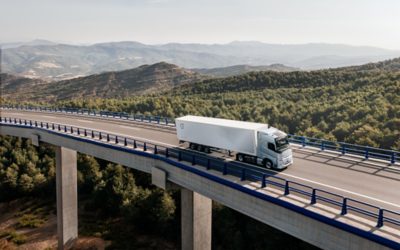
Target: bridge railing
point(342, 147)
point(265, 180)
point(109, 114)
point(347, 148)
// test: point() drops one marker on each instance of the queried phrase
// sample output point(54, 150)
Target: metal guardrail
point(345, 148)
point(344, 204)
point(117, 115)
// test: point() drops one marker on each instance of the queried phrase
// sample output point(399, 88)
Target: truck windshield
point(281, 143)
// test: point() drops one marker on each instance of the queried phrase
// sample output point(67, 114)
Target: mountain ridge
point(64, 61)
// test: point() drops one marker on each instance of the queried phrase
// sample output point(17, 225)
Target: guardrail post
point(313, 197)
point(343, 149)
point(322, 146)
point(179, 156)
point(52, 126)
point(225, 169)
point(155, 149)
point(144, 146)
point(366, 153)
point(58, 127)
point(208, 164)
point(149, 119)
point(65, 129)
point(263, 181)
point(30, 123)
point(303, 141)
point(287, 192)
point(47, 125)
point(41, 124)
point(72, 130)
point(92, 134)
point(344, 207)
point(243, 176)
point(380, 218)
point(166, 121)
point(166, 153)
point(116, 139)
point(79, 132)
point(134, 144)
point(393, 158)
point(108, 137)
point(100, 136)
point(125, 142)
point(193, 160)
point(85, 132)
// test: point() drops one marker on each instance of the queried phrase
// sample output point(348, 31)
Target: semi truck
point(254, 143)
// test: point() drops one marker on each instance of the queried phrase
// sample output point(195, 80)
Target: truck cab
point(273, 149)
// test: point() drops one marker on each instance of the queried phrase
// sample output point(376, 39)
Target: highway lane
point(369, 181)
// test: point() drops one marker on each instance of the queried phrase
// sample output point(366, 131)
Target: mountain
point(142, 80)
point(13, 85)
point(258, 81)
point(62, 61)
point(35, 42)
point(242, 69)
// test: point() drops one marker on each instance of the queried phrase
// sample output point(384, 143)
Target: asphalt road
point(374, 182)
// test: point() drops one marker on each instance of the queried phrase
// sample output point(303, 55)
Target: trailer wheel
point(193, 146)
point(207, 150)
point(240, 157)
point(268, 164)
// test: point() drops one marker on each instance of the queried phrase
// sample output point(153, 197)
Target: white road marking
point(128, 127)
point(341, 189)
point(87, 121)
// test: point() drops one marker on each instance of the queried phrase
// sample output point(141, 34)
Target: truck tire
point(268, 164)
point(193, 146)
point(240, 157)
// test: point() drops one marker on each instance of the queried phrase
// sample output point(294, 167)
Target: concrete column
point(196, 221)
point(67, 197)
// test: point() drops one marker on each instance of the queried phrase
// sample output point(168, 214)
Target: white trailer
point(253, 142)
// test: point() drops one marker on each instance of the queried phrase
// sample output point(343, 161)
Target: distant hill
point(142, 80)
point(297, 79)
point(61, 61)
point(242, 69)
point(12, 85)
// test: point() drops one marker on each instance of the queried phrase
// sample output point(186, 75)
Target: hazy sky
point(357, 22)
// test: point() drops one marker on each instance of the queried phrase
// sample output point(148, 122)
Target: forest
point(356, 104)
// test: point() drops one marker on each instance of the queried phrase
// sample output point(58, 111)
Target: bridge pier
point(67, 197)
point(195, 221)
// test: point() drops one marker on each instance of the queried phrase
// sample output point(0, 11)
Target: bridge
point(334, 196)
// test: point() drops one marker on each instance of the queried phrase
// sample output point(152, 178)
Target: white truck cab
point(273, 148)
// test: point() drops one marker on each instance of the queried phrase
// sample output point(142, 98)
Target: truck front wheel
point(268, 164)
point(240, 157)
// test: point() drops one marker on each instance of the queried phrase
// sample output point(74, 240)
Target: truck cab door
point(266, 148)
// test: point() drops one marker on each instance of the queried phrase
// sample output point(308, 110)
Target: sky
point(355, 22)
